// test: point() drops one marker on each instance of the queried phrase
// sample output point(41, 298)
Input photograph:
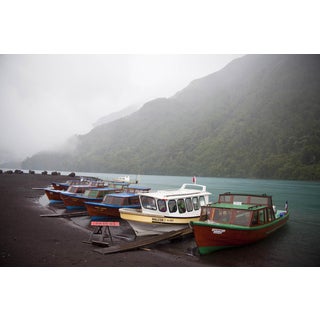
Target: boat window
point(72, 189)
point(162, 205)
point(225, 198)
point(259, 200)
point(189, 204)
point(181, 206)
point(240, 198)
point(103, 193)
point(270, 214)
point(91, 193)
point(242, 218)
point(205, 214)
point(148, 203)
point(222, 215)
point(172, 205)
point(195, 202)
point(113, 200)
point(202, 201)
point(255, 218)
point(261, 217)
point(80, 190)
point(134, 200)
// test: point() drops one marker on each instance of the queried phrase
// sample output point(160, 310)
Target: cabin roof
point(221, 205)
point(181, 192)
point(104, 189)
point(122, 195)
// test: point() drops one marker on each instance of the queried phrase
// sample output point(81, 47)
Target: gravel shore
point(29, 240)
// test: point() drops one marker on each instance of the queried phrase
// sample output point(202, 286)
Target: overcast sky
point(45, 99)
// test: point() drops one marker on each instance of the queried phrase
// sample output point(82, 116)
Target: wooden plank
point(64, 215)
point(100, 243)
point(144, 241)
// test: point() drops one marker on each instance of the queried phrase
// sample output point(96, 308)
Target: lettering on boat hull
point(218, 231)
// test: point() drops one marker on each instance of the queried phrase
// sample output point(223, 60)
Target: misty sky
point(45, 99)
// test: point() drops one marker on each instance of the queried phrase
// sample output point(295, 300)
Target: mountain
point(116, 115)
point(258, 117)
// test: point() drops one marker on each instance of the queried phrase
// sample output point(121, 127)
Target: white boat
point(167, 210)
point(122, 179)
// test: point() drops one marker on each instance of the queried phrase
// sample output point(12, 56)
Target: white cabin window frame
point(162, 206)
point(172, 205)
point(195, 202)
point(189, 204)
point(148, 203)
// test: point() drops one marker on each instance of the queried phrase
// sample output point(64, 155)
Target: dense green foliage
point(258, 117)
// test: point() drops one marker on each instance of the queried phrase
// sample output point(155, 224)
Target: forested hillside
point(258, 117)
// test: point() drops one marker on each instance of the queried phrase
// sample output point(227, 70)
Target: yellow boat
point(167, 210)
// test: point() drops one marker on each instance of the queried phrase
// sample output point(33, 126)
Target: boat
point(82, 180)
point(111, 203)
point(64, 185)
point(167, 210)
point(237, 220)
point(124, 179)
point(55, 195)
point(77, 200)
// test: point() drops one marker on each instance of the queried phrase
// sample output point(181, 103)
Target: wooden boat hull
point(103, 210)
point(100, 211)
point(211, 237)
point(144, 225)
point(53, 195)
point(72, 201)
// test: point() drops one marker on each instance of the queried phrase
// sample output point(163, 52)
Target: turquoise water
point(303, 196)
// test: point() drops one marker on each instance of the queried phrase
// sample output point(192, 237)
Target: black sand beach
point(28, 240)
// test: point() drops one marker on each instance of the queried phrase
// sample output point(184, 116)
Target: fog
point(46, 99)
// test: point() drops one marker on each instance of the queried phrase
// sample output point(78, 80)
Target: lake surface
point(296, 244)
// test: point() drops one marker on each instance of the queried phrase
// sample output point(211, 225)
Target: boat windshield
point(148, 202)
point(76, 189)
point(226, 216)
point(113, 200)
point(91, 193)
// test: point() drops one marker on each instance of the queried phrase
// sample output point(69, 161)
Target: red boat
point(55, 195)
point(77, 200)
point(236, 220)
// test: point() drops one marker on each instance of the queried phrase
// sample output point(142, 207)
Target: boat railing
point(193, 186)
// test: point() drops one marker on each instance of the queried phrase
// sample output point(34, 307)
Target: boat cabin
point(121, 199)
point(118, 185)
point(237, 214)
point(98, 192)
point(185, 201)
point(77, 189)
